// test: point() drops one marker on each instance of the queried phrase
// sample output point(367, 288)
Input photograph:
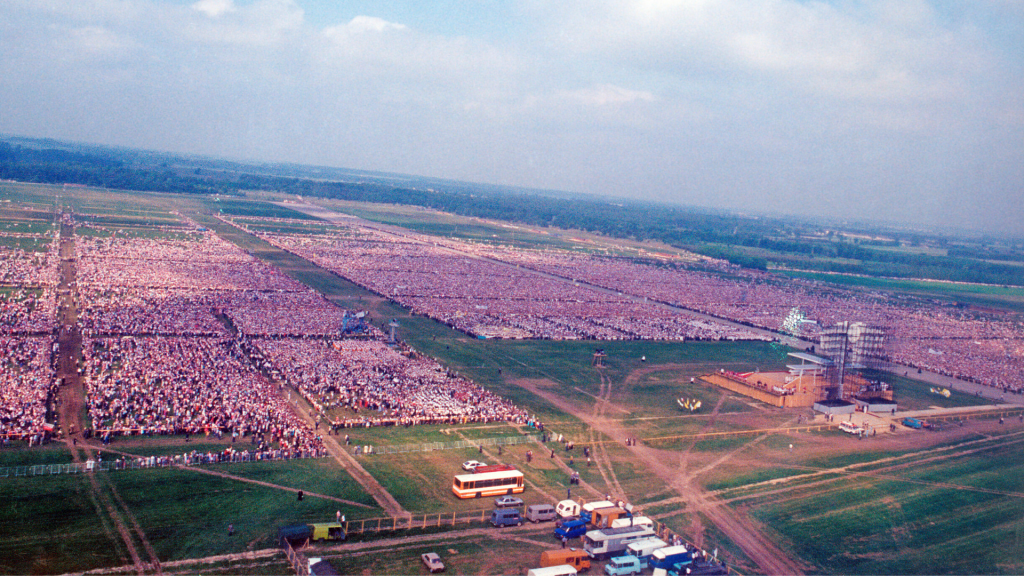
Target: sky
point(894, 110)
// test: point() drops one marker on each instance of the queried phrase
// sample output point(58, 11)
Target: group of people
point(183, 336)
point(355, 383)
point(27, 379)
point(28, 313)
point(485, 298)
point(20, 267)
point(491, 290)
point(203, 263)
point(187, 385)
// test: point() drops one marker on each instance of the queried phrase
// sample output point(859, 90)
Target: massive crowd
point(209, 263)
point(374, 384)
point(178, 385)
point(32, 311)
point(26, 378)
point(491, 290)
point(28, 313)
point(486, 298)
point(24, 269)
point(181, 334)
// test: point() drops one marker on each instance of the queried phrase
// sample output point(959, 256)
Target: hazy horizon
point(879, 110)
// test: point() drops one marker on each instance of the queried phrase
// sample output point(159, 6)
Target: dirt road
point(667, 466)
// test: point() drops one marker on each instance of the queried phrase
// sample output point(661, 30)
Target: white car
point(471, 465)
point(432, 562)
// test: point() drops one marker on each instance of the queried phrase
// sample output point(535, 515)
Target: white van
point(567, 509)
point(563, 570)
point(643, 549)
point(634, 521)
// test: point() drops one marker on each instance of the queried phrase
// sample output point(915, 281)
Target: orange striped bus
point(488, 482)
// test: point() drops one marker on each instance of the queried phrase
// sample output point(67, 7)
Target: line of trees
point(748, 242)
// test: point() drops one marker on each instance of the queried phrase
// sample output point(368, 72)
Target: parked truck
point(665, 559)
point(913, 423)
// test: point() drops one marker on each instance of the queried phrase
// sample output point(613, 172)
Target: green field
point(1009, 298)
point(909, 521)
point(916, 503)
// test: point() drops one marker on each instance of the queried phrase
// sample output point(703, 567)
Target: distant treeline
point(748, 242)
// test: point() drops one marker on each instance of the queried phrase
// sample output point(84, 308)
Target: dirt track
point(670, 467)
point(114, 514)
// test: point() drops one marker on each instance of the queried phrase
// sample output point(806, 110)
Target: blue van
point(571, 529)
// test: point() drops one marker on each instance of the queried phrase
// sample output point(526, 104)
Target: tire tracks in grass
point(742, 531)
point(942, 453)
point(604, 461)
point(228, 476)
point(106, 509)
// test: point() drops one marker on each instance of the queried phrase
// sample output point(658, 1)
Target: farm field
point(830, 502)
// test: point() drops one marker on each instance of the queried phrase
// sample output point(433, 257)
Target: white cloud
point(96, 41)
point(372, 24)
point(606, 95)
point(214, 8)
point(676, 98)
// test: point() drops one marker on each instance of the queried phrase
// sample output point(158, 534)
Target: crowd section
point(185, 312)
point(21, 268)
point(489, 290)
point(207, 264)
point(181, 336)
point(374, 385)
point(486, 298)
point(27, 312)
point(121, 310)
point(177, 385)
point(294, 314)
point(922, 333)
point(26, 378)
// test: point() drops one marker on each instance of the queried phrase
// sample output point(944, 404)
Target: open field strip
point(863, 510)
point(893, 463)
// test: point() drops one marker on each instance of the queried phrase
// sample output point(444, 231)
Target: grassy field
point(911, 520)
point(923, 503)
point(1010, 298)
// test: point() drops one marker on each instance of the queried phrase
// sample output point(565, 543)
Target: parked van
point(575, 557)
point(624, 566)
point(631, 521)
point(328, 531)
point(563, 570)
point(643, 549)
point(567, 509)
point(540, 512)
point(506, 517)
point(571, 529)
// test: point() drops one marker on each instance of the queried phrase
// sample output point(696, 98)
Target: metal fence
point(109, 465)
point(431, 446)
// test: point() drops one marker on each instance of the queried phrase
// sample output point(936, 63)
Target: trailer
point(603, 543)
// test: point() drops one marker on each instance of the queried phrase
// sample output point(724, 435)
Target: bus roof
point(623, 530)
point(513, 473)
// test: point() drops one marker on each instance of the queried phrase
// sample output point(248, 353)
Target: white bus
point(602, 543)
point(643, 549)
point(488, 482)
